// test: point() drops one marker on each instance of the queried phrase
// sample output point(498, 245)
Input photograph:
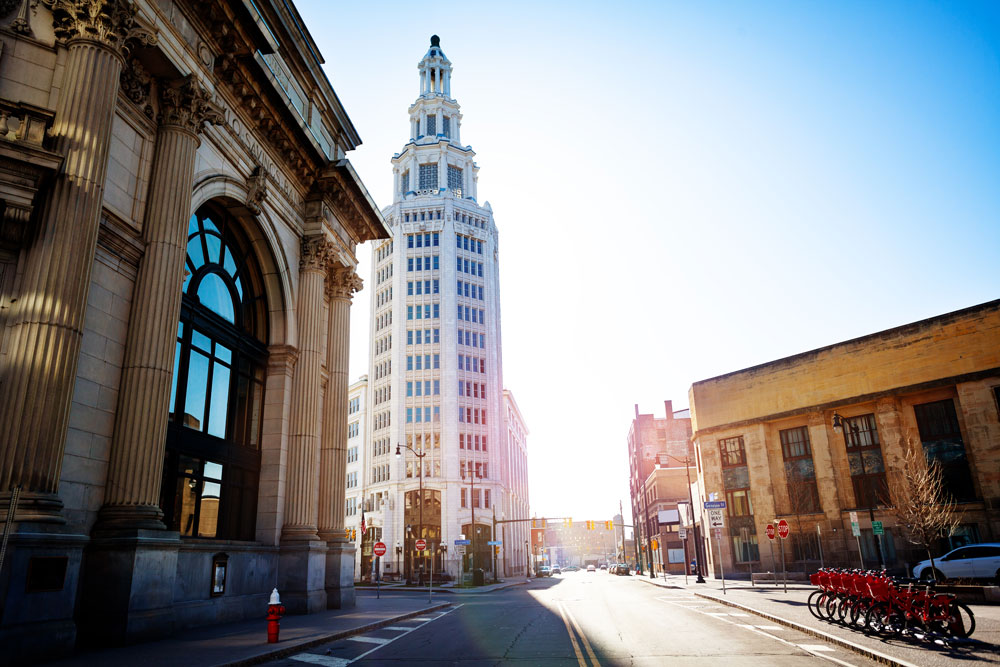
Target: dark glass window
point(217, 395)
point(800, 473)
point(943, 445)
point(864, 456)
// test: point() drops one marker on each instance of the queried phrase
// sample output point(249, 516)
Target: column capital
point(342, 282)
point(317, 253)
point(186, 104)
point(110, 23)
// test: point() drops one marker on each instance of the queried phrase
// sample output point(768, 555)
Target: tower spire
point(435, 71)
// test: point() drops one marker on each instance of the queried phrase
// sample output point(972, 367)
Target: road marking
point(572, 637)
point(816, 647)
point(423, 618)
point(371, 640)
point(769, 627)
point(397, 628)
point(325, 660)
point(583, 637)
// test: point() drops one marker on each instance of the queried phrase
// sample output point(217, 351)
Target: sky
point(687, 189)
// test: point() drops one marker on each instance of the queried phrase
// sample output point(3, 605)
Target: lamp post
point(399, 550)
point(527, 560)
point(473, 474)
point(697, 541)
point(839, 424)
point(420, 461)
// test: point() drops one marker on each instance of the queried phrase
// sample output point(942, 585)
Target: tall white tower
point(435, 371)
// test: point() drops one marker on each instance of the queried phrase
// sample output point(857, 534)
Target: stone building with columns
point(818, 435)
point(177, 263)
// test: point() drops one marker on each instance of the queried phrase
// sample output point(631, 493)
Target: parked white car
point(973, 561)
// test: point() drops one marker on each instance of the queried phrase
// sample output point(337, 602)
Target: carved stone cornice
point(317, 252)
point(339, 185)
point(108, 22)
point(187, 105)
point(342, 282)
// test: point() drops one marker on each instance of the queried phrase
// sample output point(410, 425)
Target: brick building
point(767, 445)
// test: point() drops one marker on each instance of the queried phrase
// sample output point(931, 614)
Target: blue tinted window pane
point(195, 254)
point(213, 470)
point(220, 402)
point(193, 225)
point(215, 296)
point(201, 341)
point(208, 224)
point(239, 288)
point(228, 262)
point(173, 387)
point(214, 245)
point(194, 403)
point(224, 353)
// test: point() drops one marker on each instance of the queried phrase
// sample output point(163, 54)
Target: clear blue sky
point(687, 189)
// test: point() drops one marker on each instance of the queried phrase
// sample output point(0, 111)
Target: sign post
point(819, 542)
point(856, 531)
point(745, 534)
point(783, 534)
point(682, 532)
point(716, 520)
point(379, 551)
point(771, 531)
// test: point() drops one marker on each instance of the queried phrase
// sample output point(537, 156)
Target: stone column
point(45, 340)
point(341, 285)
point(302, 559)
point(132, 494)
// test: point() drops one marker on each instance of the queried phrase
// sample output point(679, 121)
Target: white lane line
point(424, 618)
point(777, 639)
point(770, 627)
point(816, 647)
point(371, 640)
point(324, 660)
point(398, 628)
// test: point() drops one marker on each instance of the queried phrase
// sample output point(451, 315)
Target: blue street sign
point(715, 504)
point(460, 542)
point(494, 543)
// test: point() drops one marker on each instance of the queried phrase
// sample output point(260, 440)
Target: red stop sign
point(782, 529)
point(379, 549)
point(770, 531)
point(421, 544)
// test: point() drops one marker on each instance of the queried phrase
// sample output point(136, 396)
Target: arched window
point(212, 465)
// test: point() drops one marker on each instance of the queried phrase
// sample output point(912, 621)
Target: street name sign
point(782, 529)
point(855, 529)
point(715, 504)
point(877, 528)
point(421, 544)
point(770, 531)
point(494, 543)
point(715, 517)
point(379, 549)
point(462, 542)
point(854, 517)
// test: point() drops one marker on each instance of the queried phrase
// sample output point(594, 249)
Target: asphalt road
point(579, 619)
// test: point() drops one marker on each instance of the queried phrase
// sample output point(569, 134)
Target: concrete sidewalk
point(448, 587)
point(245, 642)
point(791, 609)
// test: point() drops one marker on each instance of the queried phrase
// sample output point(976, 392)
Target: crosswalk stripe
point(369, 640)
point(324, 660)
point(816, 647)
point(398, 628)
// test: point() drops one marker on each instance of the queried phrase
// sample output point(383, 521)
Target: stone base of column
point(34, 507)
point(115, 518)
point(301, 576)
point(340, 574)
point(128, 587)
point(38, 589)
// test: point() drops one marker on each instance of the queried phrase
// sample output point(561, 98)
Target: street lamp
point(399, 550)
point(838, 425)
point(697, 541)
point(473, 474)
point(420, 461)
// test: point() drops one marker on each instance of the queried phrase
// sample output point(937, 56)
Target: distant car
point(544, 571)
point(604, 566)
point(973, 561)
point(621, 569)
point(571, 568)
point(591, 568)
point(556, 569)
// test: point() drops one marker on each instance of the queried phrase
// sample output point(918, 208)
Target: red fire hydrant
point(275, 610)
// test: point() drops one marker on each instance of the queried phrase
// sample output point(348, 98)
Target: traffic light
point(609, 525)
point(568, 523)
point(656, 545)
point(496, 549)
point(347, 533)
point(354, 534)
point(590, 525)
point(544, 523)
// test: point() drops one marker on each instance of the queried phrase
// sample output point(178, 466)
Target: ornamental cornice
point(342, 282)
point(187, 104)
point(108, 22)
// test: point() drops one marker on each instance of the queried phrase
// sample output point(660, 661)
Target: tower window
point(455, 180)
point(428, 176)
point(446, 126)
point(431, 125)
point(404, 183)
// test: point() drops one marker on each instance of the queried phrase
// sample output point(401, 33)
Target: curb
point(450, 590)
point(833, 639)
point(285, 651)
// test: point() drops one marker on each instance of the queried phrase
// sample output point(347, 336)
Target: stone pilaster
point(48, 324)
point(342, 282)
point(301, 516)
point(132, 494)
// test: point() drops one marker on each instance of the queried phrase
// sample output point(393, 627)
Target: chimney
point(636, 410)
point(669, 405)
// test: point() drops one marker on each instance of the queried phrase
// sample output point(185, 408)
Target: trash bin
point(478, 577)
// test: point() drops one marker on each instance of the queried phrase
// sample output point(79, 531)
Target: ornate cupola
point(434, 162)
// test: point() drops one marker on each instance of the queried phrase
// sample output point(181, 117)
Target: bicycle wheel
point(813, 603)
point(857, 614)
point(830, 608)
point(881, 620)
point(843, 608)
point(963, 621)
